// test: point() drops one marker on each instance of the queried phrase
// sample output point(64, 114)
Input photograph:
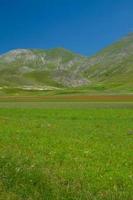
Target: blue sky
point(83, 26)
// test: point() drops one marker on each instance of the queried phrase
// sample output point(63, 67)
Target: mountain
point(110, 70)
point(31, 67)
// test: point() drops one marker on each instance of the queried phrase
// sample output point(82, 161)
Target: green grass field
point(66, 154)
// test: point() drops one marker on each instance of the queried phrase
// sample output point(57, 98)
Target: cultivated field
point(66, 151)
point(68, 98)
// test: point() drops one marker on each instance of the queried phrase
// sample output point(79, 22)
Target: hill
point(110, 70)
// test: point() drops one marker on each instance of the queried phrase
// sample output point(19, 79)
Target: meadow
point(68, 151)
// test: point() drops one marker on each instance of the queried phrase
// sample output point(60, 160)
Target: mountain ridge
point(36, 69)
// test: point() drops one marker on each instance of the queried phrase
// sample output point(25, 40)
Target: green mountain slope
point(33, 69)
point(112, 68)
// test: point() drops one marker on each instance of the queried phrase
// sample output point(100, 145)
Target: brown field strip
point(94, 98)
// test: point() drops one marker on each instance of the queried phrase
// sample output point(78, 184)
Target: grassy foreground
point(58, 154)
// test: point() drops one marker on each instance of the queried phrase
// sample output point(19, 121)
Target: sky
point(82, 26)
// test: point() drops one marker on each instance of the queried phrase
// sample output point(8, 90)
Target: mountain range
point(109, 71)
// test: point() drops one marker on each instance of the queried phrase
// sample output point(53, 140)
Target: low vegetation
point(52, 154)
